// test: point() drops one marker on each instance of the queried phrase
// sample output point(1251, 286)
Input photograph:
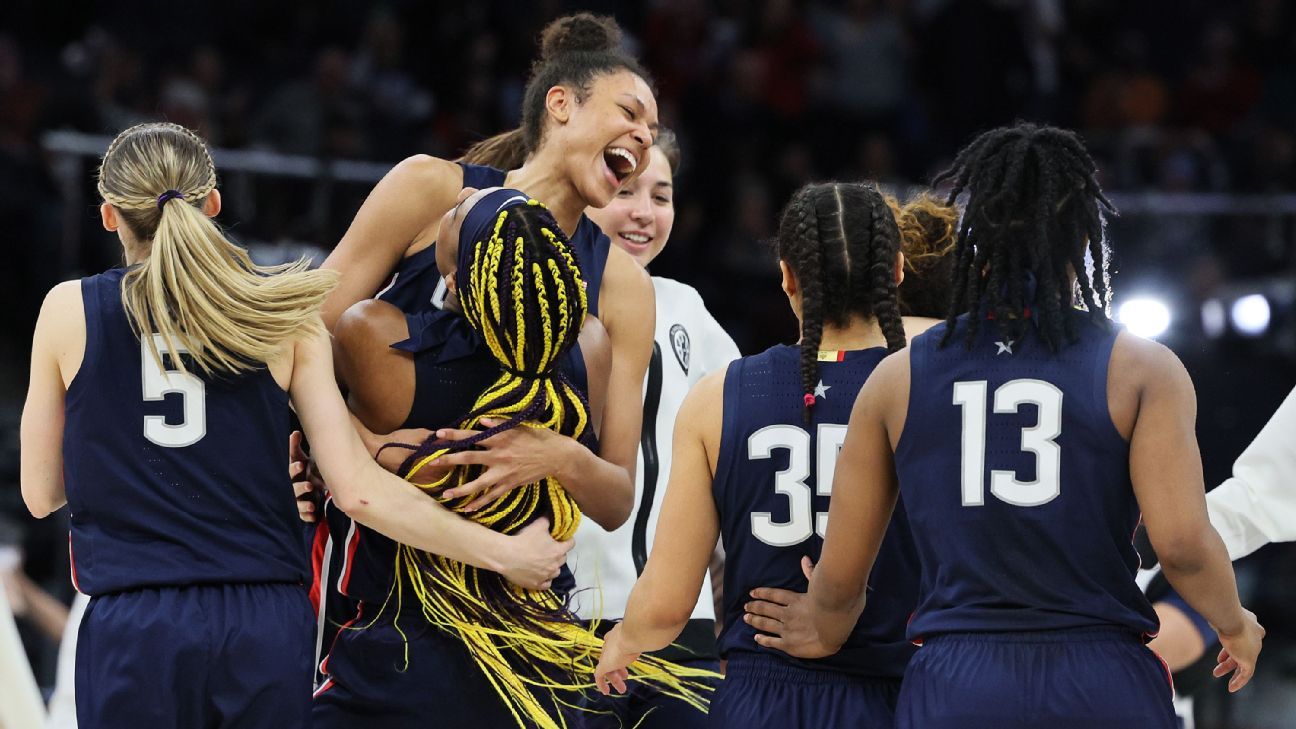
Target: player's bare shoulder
point(1141, 368)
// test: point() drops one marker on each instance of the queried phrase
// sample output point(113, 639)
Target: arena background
point(1189, 107)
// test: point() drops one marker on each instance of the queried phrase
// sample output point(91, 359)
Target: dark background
point(1173, 98)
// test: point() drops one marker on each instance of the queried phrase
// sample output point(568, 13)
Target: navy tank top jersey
point(453, 366)
point(1017, 485)
point(772, 485)
point(416, 283)
point(173, 479)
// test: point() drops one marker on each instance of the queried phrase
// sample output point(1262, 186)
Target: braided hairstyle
point(841, 240)
point(574, 50)
point(522, 290)
point(1033, 208)
point(196, 289)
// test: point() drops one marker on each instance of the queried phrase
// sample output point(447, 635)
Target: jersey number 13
point(1038, 439)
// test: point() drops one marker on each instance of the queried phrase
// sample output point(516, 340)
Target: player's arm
point(1258, 504)
point(41, 431)
point(863, 497)
point(663, 598)
point(1166, 471)
point(627, 309)
point(405, 205)
point(398, 509)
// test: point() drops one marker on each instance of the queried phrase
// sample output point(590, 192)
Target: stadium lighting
point(1251, 315)
point(1145, 317)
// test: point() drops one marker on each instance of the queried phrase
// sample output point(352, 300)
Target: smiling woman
point(588, 121)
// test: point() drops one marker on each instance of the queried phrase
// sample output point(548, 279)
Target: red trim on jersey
point(352, 542)
point(1169, 675)
point(72, 562)
point(318, 545)
point(323, 667)
point(323, 687)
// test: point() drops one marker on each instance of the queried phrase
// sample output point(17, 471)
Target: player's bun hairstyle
point(522, 290)
point(198, 290)
point(1033, 208)
point(841, 240)
point(574, 50)
point(928, 232)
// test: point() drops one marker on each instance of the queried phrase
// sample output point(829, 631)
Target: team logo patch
point(679, 340)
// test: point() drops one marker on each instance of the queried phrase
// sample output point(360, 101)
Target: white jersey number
point(1038, 439)
point(802, 521)
point(157, 384)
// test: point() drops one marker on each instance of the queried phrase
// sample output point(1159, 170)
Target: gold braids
point(526, 297)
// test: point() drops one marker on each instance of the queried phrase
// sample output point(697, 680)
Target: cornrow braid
point(1034, 208)
point(526, 297)
point(841, 241)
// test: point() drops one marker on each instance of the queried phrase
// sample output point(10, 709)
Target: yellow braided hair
point(526, 296)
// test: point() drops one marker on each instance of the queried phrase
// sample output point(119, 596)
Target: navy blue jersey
point(172, 478)
point(453, 367)
point(1017, 485)
point(416, 283)
point(772, 483)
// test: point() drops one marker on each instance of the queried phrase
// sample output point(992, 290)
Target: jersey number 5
point(157, 384)
point(1039, 439)
point(802, 522)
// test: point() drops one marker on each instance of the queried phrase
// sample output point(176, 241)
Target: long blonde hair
point(196, 288)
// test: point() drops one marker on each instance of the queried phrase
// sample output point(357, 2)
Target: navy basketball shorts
point(227, 656)
point(763, 691)
point(1061, 679)
point(377, 678)
point(644, 706)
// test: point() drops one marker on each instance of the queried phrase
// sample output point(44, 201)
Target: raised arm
point(1166, 471)
point(57, 348)
point(1258, 504)
point(389, 505)
point(863, 497)
point(402, 210)
point(664, 596)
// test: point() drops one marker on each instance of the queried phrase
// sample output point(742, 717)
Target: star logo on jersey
point(1004, 347)
point(679, 340)
point(821, 390)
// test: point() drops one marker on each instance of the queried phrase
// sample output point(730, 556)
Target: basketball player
point(588, 120)
point(1029, 613)
point(689, 344)
point(158, 409)
point(501, 652)
point(755, 447)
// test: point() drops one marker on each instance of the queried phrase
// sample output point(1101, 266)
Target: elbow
point(351, 500)
point(1185, 553)
point(40, 507)
point(614, 516)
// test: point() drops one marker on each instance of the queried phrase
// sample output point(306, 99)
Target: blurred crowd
point(1186, 95)
point(1170, 95)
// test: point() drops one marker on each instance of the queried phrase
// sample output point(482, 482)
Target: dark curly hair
point(1033, 208)
point(841, 240)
